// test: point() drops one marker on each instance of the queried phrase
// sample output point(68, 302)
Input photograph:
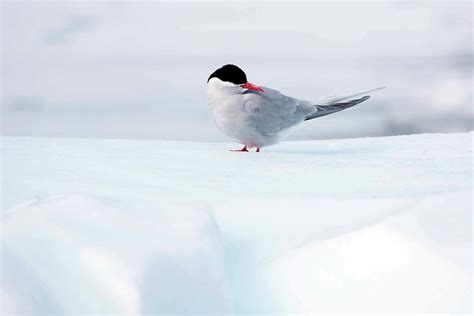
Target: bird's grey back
point(271, 112)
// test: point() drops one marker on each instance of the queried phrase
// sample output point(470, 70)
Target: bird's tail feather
point(336, 104)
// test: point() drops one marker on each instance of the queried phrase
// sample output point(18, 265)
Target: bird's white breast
point(227, 105)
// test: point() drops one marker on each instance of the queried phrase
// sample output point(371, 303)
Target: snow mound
point(380, 268)
point(78, 254)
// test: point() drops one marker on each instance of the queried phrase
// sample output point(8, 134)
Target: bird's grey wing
point(271, 112)
point(327, 109)
point(335, 104)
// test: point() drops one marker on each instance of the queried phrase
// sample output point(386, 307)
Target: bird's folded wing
point(335, 104)
point(271, 112)
point(334, 107)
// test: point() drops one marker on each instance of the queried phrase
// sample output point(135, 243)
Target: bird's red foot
point(258, 150)
point(241, 150)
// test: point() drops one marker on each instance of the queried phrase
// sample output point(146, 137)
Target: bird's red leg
point(258, 150)
point(241, 150)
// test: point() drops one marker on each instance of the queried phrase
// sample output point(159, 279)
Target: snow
point(113, 257)
point(403, 275)
point(374, 225)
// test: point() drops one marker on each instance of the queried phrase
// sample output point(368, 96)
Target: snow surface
point(375, 225)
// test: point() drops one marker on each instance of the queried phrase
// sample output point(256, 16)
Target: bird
point(256, 116)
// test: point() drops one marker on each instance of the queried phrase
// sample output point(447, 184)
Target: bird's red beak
point(251, 86)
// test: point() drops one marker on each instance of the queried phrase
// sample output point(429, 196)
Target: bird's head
point(231, 77)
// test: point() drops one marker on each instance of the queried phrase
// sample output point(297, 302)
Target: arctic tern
point(259, 116)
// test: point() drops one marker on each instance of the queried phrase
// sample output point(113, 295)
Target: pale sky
point(139, 69)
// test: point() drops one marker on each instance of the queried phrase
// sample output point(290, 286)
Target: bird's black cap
point(230, 73)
